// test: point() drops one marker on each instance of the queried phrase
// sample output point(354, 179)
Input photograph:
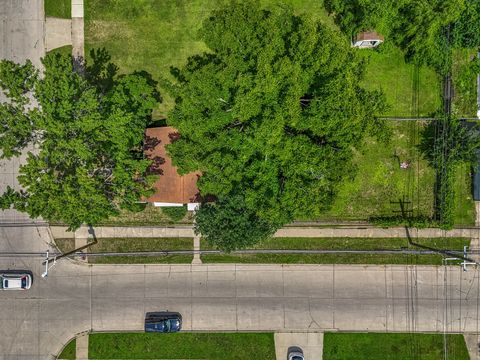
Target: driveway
point(310, 343)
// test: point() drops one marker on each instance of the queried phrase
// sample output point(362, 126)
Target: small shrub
point(136, 207)
point(175, 213)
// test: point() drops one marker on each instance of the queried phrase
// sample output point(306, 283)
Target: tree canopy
point(423, 29)
point(89, 130)
point(229, 224)
point(466, 29)
point(271, 113)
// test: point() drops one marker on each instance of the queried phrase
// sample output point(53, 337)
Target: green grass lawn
point(64, 50)
point(69, 352)
point(387, 70)
point(464, 204)
point(149, 215)
point(134, 244)
point(212, 346)
point(341, 244)
point(380, 180)
point(393, 346)
point(155, 35)
point(465, 83)
point(58, 8)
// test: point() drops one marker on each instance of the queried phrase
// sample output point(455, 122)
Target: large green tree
point(88, 128)
point(229, 224)
point(466, 29)
point(423, 29)
point(271, 113)
point(446, 143)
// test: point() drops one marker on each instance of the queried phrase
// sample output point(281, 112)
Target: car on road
point(295, 353)
point(163, 321)
point(15, 281)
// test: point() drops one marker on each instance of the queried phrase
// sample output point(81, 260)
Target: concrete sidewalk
point(187, 231)
point(78, 34)
point(123, 232)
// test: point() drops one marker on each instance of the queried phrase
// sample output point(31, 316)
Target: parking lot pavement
point(310, 343)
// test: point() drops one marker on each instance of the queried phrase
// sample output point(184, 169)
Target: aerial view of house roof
point(170, 187)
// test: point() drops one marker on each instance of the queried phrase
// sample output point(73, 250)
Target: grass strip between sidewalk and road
point(69, 352)
point(341, 244)
point(393, 346)
point(364, 244)
point(212, 346)
point(58, 8)
point(132, 245)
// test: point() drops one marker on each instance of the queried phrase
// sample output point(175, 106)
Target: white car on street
point(15, 281)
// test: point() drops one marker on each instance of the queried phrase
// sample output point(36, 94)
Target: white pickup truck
point(15, 281)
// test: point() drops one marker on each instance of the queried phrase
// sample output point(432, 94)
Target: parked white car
point(15, 281)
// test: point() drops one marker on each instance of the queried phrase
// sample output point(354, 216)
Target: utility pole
point(465, 262)
point(47, 262)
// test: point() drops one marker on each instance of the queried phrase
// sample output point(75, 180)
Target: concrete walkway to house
point(196, 248)
point(310, 343)
point(78, 36)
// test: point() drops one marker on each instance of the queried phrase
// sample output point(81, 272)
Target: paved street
point(21, 38)
point(75, 298)
point(22, 30)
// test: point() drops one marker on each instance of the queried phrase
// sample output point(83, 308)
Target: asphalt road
point(35, 324)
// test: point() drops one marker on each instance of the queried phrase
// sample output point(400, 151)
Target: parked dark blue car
point(164, 322)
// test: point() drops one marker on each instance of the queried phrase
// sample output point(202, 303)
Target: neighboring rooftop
point(367, 39)
point(170, 187)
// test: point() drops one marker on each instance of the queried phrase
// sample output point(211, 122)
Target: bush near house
point(175, 213)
